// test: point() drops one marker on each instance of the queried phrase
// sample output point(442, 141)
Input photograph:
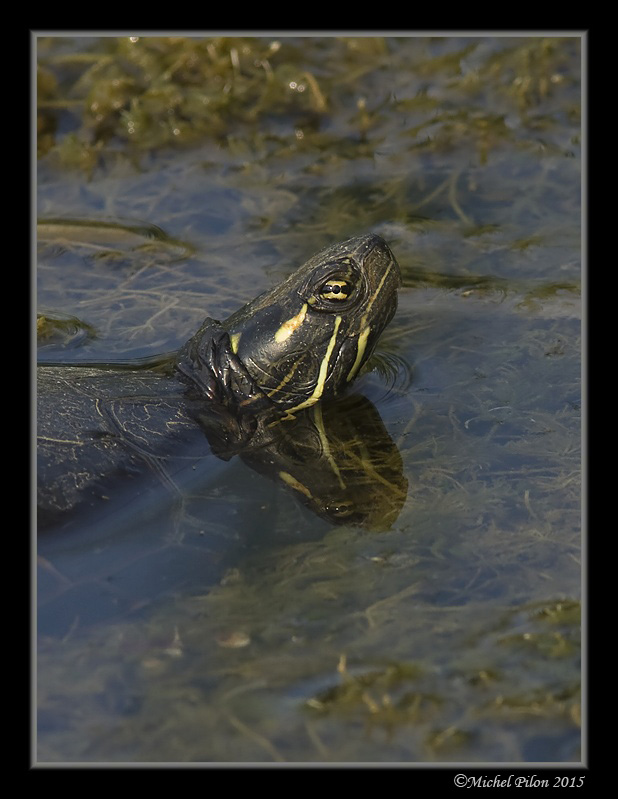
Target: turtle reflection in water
point(259, 384)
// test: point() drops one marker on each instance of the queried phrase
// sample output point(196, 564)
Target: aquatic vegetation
point(126, 95)
point(453, 635)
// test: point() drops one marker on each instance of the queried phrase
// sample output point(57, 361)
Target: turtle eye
point(337, 290)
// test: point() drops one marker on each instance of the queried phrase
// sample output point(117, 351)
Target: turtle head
point(308, 337)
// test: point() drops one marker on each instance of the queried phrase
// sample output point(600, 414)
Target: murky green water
point(177, 179)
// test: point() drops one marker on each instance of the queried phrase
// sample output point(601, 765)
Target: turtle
point(269, 384)
point(303, 341)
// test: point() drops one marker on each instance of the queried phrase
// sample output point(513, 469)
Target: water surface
point(177, 178)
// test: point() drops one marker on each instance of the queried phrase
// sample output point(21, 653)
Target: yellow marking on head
point(317, 391)
point(294, 483)
point(285, 380)
point(365, 329)
point(376, 292)
point(360, 351)
point(234, 339)
point(287, 328)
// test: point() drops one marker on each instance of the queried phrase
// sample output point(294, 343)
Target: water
point(450, 636)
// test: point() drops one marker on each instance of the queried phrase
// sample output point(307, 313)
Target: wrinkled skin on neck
point(208, 365)
point(222, 396)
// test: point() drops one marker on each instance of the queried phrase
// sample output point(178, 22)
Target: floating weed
point(562, 705)
point(61, 330)
point(451, 739)
point(109, 240)
point(567, 612)
point(139, 93)
point(382, 697)
point(534, 298)
point(553, 645)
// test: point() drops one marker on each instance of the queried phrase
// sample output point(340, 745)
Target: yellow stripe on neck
point(319, 388)
point(360, 351)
